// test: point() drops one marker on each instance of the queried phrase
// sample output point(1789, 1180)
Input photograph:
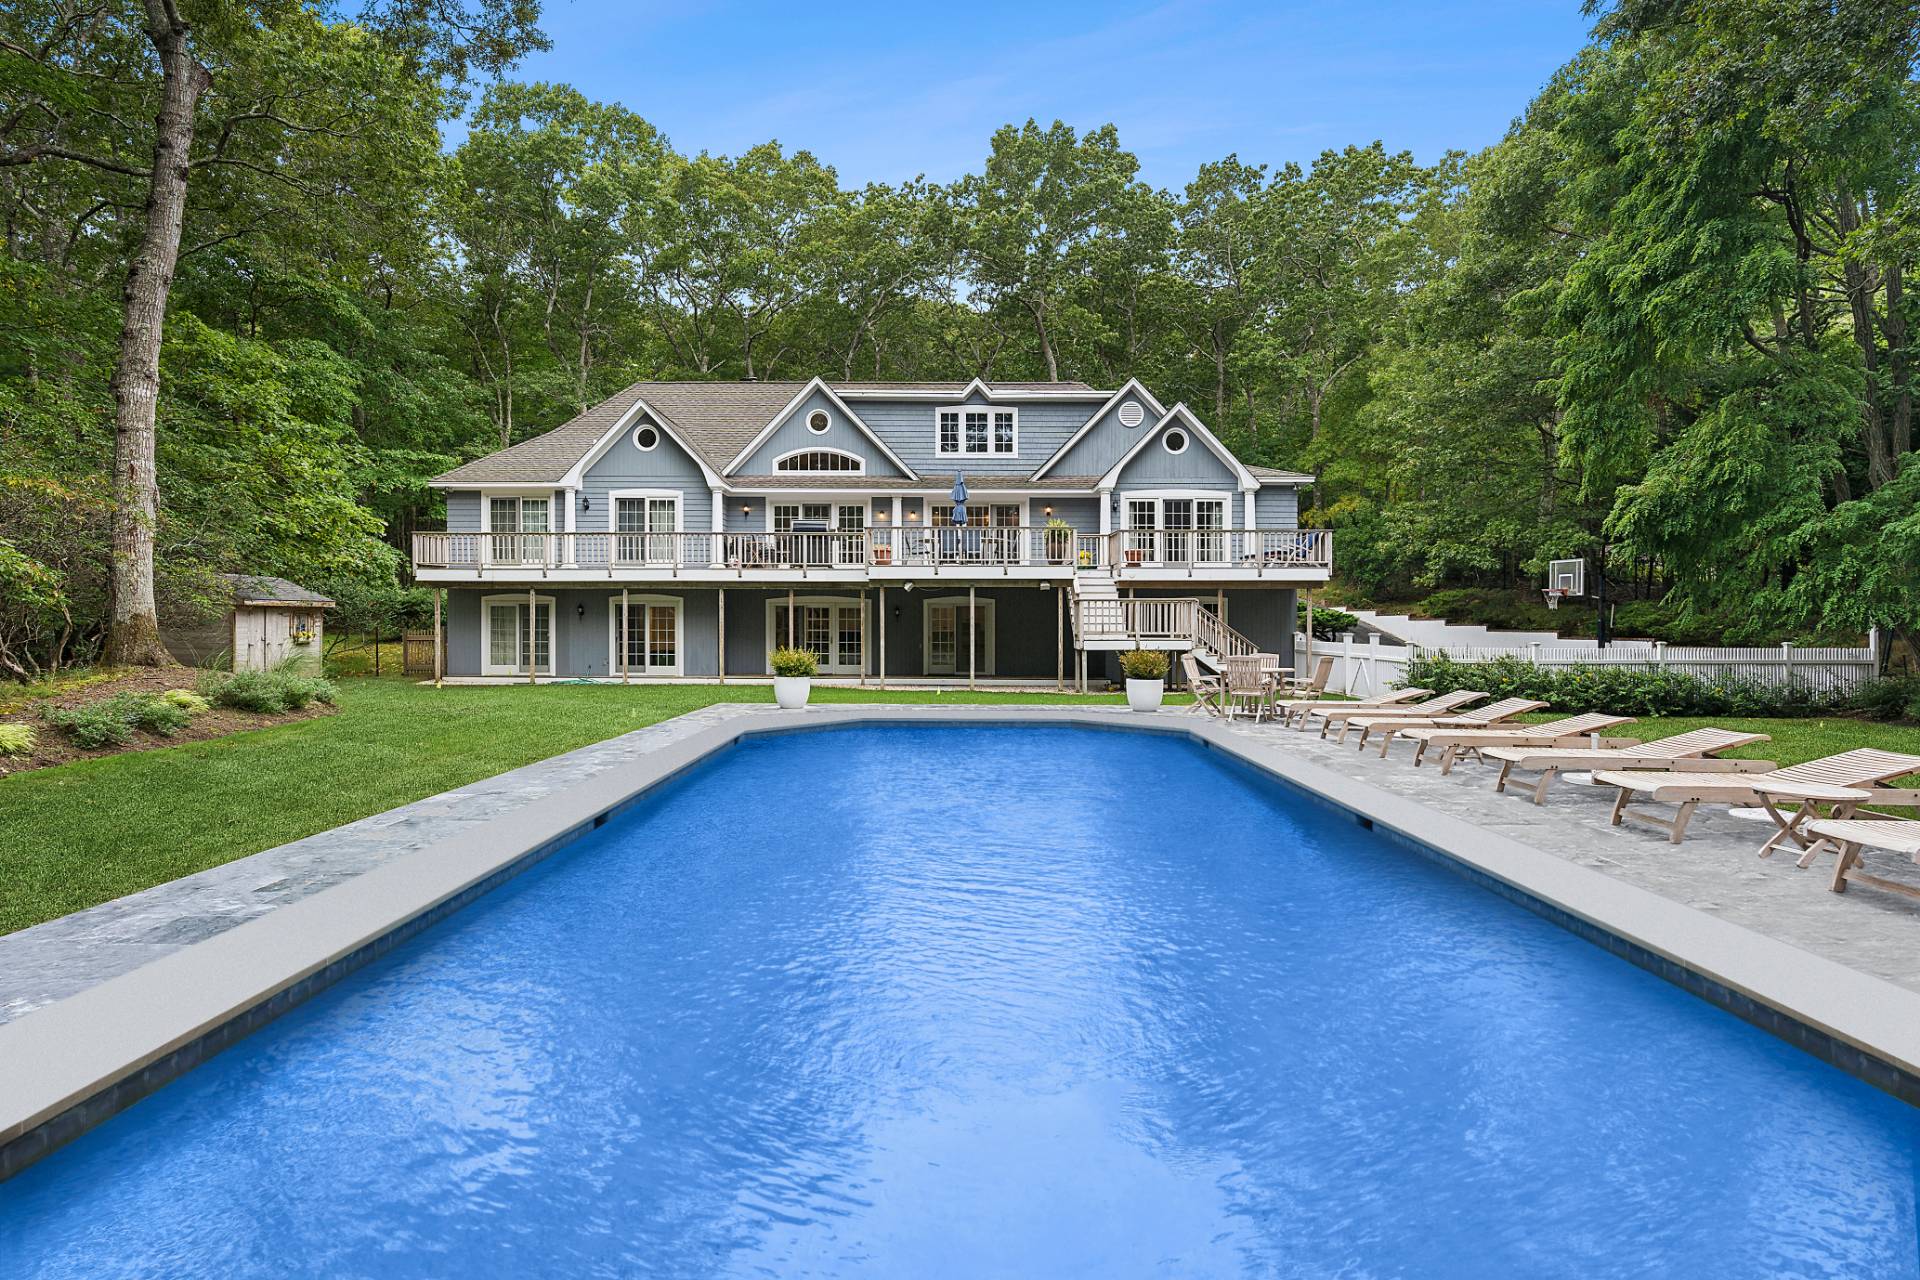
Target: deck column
point(720, 612)
point(881, 667)
point(533, 621)
point(1306, 661)
point(793, 633)
point(626, 668)
point(437, 672)
point(1060, 639)
point(973, 627)
point(863, 637)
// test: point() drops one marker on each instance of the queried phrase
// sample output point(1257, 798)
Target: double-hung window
point(970, 431)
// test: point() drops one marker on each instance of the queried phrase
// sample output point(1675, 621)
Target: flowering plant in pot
point(793, 672)
point(1059, 540)
point(1146, 673)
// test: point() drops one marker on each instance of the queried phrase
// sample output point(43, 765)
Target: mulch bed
point(52, 747)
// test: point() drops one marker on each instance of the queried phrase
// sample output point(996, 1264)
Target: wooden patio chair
point(1454, 743)
point(1313, 686)
point(1383, 729)
point(1846, 781)
point(1250, 683)
point(1691, 752)
point(1294, 710)
point(1849, 837)
point(1209, 690)
point(1345, 713)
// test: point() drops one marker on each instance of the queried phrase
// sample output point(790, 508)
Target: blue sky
point(885, 91)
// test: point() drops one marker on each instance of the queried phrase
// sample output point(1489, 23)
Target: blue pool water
point(930, 1002)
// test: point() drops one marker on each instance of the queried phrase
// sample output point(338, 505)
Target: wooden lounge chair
point(1849, 836)
point(1381, 729)
point(1689, 752)
point(1209, 691)
point(1846, 781)
point(1345, 713)
point(1294, 710)
point(1312, 687)
point(1454, 743)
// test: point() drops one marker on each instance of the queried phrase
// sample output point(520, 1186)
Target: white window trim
point(812, 500)
point(658, 436)
point(778, 604)
point(486, 632)
point(989, 410)
point(826, 421)
point(613, 506)
point(1159, 497)
point(978, 500)
point(989, 614)
point(859, 470)
point(1186, 440)
point(486, 505)
point(679, 634)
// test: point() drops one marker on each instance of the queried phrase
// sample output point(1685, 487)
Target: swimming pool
point(925, 1001)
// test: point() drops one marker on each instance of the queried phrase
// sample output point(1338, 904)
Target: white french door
point(830, 629)
point(947, 630)
point(655, 639)
point(1176, 530)
point(507, 636)
point(644, 526)
point(510, 518)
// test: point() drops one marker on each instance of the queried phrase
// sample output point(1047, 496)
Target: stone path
point(1714, 871)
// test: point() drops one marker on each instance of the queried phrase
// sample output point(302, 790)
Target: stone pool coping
point(77, 1061)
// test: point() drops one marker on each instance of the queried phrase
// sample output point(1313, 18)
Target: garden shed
point(269, 621)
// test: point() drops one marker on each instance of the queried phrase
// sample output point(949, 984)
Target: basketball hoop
point(1554, 596)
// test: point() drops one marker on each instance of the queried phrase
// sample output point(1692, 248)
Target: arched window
point(819, 460)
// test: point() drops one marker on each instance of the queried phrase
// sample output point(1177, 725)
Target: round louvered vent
point(1131, 414)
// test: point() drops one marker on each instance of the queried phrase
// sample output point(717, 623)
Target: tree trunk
point(133, 627)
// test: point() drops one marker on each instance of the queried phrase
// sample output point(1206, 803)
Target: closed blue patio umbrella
point(959, 496)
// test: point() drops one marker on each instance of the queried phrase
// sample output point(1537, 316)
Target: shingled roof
point(716, 419)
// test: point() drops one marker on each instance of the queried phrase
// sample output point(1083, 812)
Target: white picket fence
point(1824, 669)
point(1365, 668)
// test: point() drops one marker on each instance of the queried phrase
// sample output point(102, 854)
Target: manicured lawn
point(83, 833)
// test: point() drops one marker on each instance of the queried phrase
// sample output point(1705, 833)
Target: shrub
point(269, 693)
point(150, 712)
point(187, 700)
point(16, 739)
point(1144, 664)
point(95, 725)
point(1623, 690)
point(1327, 623)
point(794, 662)
point(1893, 698)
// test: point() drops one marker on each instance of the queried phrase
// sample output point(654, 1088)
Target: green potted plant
point(1059, 540)
point(793, 672)
point(1146, 673)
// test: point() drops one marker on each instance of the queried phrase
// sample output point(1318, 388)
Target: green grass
point(83, 833)
point(86, 832)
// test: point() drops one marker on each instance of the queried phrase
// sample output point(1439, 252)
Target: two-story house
point(685, 529)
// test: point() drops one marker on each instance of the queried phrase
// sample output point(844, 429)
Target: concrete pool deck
point(107, 1004)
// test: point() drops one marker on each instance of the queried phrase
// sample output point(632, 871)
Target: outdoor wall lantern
point(1049, 511)
point(580, 609)
point(746, 508)
point(586, 503)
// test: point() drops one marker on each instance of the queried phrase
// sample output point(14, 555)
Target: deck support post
point(720, 613)
point(533, 622)
point(626, 668)
point(881, 666)
point(1305, 666)
point(1059, 639)
point(793, 633)
point(973, 627)
point(863, 637)
point(437, 666)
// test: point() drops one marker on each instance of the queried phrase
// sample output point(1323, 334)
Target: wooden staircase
point(1103, 619)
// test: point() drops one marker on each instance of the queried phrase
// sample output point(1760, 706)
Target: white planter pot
point(791, 691)
point(1144, 695)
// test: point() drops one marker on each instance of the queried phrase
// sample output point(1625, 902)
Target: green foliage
point(16, 739)
point(1893, 698)
point(153, 712)
point(273, 692)
point(794, 663)
point(187, 700)
point(93, 725)
point(1144, 664)
point(1619, 690)
point(1327, 623)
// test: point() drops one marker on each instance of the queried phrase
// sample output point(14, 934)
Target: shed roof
point(262, 589)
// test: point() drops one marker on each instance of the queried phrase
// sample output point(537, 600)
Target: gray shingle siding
point(1277, 507)
point(626, 466)
point(908, 429)
point(463, 511)
point(1195, 467)
point(1095, 453)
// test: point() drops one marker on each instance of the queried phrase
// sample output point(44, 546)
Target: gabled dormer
point(818, 433)
point(1115, 427)
point(1178, 450)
